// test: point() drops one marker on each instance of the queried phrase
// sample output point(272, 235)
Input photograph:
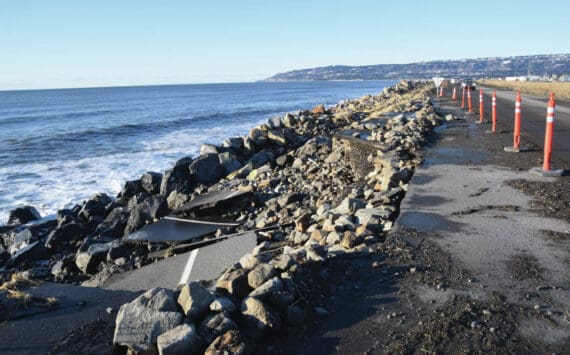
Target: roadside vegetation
point(537, 88)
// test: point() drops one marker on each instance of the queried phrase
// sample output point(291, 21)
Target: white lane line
point(188, 267)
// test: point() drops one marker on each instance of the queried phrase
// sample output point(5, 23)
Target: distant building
point(516, 78)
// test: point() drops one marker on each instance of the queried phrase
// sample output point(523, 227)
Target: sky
point(59, 44)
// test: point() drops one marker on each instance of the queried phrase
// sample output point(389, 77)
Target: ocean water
point(58, 147)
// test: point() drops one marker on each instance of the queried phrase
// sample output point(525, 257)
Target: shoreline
point(327, 194)
point(60, 182)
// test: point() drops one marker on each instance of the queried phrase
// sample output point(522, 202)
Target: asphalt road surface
point(533, 122)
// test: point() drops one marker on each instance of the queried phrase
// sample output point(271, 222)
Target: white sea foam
point(62, 184)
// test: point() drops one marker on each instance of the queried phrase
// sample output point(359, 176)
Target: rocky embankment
point(328, 180)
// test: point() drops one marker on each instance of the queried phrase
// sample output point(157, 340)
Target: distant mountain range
point(540, 65)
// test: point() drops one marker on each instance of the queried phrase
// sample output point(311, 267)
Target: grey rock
point(114, 224)
point(260, 274)
point(268, 288)
point(130, 189)
point(209, 149)
point(350, 205)
point(248, 261)
point(249, 147)
point(95, 206)
point(282, 160)
point(151, 208)
point(178, 178)
point(183, 339)
point(23, 215)
point(31, 252)
point(206, 168)
point(289, 120)
point(229, 162)
point(65, 216)
point(195, 300)
point(258, 136)
point(150, 182)
point(288, 199)
point(138, 327)
point(222, 304)
point(159, 299)
point(117, 250)
point(64, 234)
point(235, 144)
point(259, 315)
point(284, 262)
point(333, 238)
point(25, 236)
point(260, 158)
point(234, 282)
point(214, 325)
point(88, 259)
point(274, 122)
point(276, 138)
point(177, 199)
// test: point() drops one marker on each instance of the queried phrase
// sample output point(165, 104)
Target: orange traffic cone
point(548, 138)
point(516, 148)
point(481, 108)
point(454, 96)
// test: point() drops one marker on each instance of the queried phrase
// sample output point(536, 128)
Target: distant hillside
point(480, 67)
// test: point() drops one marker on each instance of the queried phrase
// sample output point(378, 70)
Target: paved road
point(533, 120)
point(200, 264)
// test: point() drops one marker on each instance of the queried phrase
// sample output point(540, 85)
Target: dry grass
point(537, 88)
point(13, 288)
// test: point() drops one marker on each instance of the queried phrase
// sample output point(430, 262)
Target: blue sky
point(58, 43)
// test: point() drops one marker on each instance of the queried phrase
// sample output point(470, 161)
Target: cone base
point(517, 150)
point(547, 173)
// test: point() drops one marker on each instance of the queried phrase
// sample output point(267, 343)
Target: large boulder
point(30, 252)
point(260, 274)
point(258, 137)
point(148, 210)
point(150, 182)
point(235, 144)
point(289, 120)
point(23, 215)
point(214, 325)
point(229, 162)
point(89, 258)
point(259, 315)
point(114, 224)
point(206, 169)
point(210, 149)
point(234, 282)
point(65, 216)
point(195, 299)
point(160, 299)
point(95, 206)
point(178, 178)
point(139, 327)
point(131, 188)
point(274, 122)
point(261, 158)
point(180, 340)
point(63, 235)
